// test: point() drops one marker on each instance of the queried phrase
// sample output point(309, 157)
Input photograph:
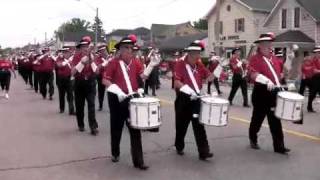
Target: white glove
point(104, 63)
point(264, 80)
point(113, 88)
point(188, 90)
point(94, 67)
point(140, 92)
point(154, 60)
point(64, 63)
point(239, 64)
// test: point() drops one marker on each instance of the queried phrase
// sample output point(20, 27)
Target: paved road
point(38, 143)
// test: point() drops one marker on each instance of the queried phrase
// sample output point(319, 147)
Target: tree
point(97, 24)
point(201, 24)
point(75, 25)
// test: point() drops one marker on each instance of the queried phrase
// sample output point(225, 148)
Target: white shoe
point(6, 96)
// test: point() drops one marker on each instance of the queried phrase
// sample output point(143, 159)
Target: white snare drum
point(289, 106)
point(214, 111)
point(145, 113)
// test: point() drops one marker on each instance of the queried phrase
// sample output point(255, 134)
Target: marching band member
point(315, 78)
point(306, 79)
point(213, 64)
point(36, 65)
point(152, 80)
point(172, 64)
point(47, 65)
point(239, 78)
point(84, 72)
point(63, 75)
point(6, 68)
point(123, 77)
point(265, 71)
point(101, 60)
point(189, 75)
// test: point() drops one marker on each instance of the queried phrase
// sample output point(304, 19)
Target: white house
point(240, 23)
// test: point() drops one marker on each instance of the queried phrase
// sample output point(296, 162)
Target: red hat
point(85, 40)
point(130, 39)
point(265, 37)
point(136, 47)
point(196, 45)
point(102, 47)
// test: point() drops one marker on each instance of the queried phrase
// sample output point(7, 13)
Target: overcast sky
point(24, 21)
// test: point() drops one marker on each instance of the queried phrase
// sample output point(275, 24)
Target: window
point(229, 8)
point(221, 27)
point(239, 25)
point(284, 18)
point(297, 17)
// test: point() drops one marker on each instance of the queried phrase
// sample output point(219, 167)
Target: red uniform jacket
point(257, 65)
point(87, 72)
point(307, 69)
point(200, 73)
point(5, 65)
point(47, 63)
point(114, 74)
point(63, 70)
point(235, 69)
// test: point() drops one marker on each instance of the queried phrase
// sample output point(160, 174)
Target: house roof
point(180, 42)
point(312, 6)
point(125, 32)
point(259, 5)
point(294, 36)
point(253, 5)
point(168, 29)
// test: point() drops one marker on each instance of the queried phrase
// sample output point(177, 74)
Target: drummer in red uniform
point(266, 87)
point(119, 92)
point(6, 67)
point(187, 103)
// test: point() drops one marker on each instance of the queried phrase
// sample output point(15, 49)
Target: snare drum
point(214, 111)
point(289, 106)
point(145, 113)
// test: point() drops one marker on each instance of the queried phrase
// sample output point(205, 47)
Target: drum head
point(291, 95)
point(145, 100)
point(215, 100)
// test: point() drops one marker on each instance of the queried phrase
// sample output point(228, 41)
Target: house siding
point(253, 20)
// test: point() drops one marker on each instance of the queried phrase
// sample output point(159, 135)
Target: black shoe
point(254, 145)
point(246, 105)
point(141, 166)
point(230, 103)
point(72, 113)
point(100, 109)
point(181, 153)
point(50, 98)
point(153, 94)
point(205, 156)
point(115, 159)
point(94, 132)
point(298, 122)
point(81, 129)
point(61, 111)
point(311, 110)
point(282, 151)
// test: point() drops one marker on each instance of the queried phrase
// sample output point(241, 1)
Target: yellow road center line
point(288, 131)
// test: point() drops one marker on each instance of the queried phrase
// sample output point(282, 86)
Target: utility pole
point(217, 28)
point(96, 31)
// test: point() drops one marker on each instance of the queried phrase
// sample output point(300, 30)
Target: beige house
point(240, 23)
point(295, 22)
